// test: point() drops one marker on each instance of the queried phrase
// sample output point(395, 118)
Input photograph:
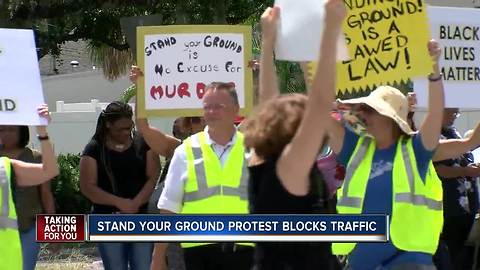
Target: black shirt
point(268, 196)
point(128, 169)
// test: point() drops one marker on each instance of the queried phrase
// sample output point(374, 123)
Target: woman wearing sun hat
point(389, 171)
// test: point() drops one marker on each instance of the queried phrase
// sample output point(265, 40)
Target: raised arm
point(30, 174)
point(448, 149)
point(268, 75)
point(452, 173)
point(432, 125)
point(158, 141)
point(298, 157)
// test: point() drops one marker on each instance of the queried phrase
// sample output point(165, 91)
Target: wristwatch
point(42, 138)
point(440, 76)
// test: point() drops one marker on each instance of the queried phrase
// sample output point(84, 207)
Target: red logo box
point(60, 228)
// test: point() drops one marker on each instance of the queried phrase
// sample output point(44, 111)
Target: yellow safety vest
point(417, 212)
point(10, 249)
point(211, 189)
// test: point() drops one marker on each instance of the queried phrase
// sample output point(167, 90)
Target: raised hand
point(434, 50)
point(268, 21)
point(134, 74)
point(43, 112)
point(475, 138)
point(412, 101)
point(335, 12)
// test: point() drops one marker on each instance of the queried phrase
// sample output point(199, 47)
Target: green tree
point(58, 21)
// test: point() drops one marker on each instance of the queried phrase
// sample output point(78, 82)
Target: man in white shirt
point(223, 146)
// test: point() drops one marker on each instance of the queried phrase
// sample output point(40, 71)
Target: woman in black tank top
point(285, 137)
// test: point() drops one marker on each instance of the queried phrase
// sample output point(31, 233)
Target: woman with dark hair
point(118, 172)
point(29, 200)
point(286, 136)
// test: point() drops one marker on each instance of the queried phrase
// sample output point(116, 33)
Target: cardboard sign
point(21, 89)
point(458, 32)
point(180, 61)
point(387, 43)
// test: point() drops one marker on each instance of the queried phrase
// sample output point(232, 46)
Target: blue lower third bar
point(238, 228)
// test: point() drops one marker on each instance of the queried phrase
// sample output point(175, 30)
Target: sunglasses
point(365, 109)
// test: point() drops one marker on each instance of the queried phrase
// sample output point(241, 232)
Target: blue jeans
point(117, 256)
point(30, 249)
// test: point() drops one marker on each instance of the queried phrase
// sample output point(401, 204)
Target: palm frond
point(129, 93)
point(114, 63)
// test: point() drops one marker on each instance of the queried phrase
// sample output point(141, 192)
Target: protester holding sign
point(118, 172)
point(29, 201)
point(390, 171)
point(286, 136)
point(163, 144)
point(25, 174)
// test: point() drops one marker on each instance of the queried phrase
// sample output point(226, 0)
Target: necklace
point(116, 146)
point(119, 146)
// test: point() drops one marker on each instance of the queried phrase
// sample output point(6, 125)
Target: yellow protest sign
point(387, 41)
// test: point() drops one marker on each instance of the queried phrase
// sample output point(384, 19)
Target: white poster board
point(458, 32)
point(299, 31)
point(20, 85)
point(180, 61)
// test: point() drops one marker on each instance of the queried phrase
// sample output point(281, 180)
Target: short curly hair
point(270, 129)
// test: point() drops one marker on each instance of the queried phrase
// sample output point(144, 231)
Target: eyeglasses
point(214, 106)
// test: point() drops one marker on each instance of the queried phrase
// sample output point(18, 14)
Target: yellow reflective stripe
point(243, 188)
point(203, 191)
point(5, 185)
point(239, 192)
point(411, 197)
point(354, 164)
point(210, 160)
point(200, 169)
point(191, 183)
point(201, 194)
point(8, 223)
point(408, 165)
point(350, 202)
point(420, 200)
point(5, 172)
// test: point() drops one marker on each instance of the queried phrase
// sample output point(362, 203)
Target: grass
point(72, 256)
point(63, 266)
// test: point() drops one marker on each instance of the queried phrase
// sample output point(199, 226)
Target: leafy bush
point(66, 187)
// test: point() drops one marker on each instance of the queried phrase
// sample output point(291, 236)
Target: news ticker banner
point(212, 228)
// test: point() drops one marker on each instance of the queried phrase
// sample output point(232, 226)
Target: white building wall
point(73, 126)
point(82, 87)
